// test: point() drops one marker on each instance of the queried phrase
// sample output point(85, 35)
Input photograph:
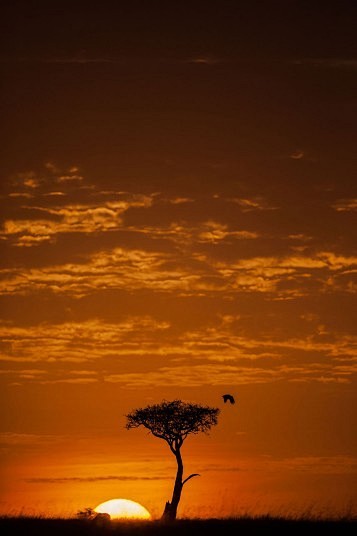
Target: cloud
point(338, 262)
point(179, 200)
point(265, 274)
point(25, 195)
point(79, 218)
point(58, 194)
point(50, 174)
point(215, 355)
point(192, 375)
point(300, 237)
point(345, 205)
point(105, 215)
point(26, 233)
point(31, 183)
point(77, 342)
point(137, 269)
point(204, 232)
point(250, 204)
point(216, 232)
point(115, 269)
point(74, 479)
point(206, 60)
point(29, 179)
point(297, 155)
point(72, 177)
point(108, 216)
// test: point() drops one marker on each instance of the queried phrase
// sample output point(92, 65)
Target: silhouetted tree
point(174, 421)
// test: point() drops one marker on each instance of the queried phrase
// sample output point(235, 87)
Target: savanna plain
point(245, 525)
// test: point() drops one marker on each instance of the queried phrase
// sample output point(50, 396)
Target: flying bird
point(228, 397)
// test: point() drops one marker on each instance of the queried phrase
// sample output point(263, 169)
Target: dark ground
point(31, 526)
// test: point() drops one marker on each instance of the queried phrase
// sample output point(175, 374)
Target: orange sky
point(178, 221)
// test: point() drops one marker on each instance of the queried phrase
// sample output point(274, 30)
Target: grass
point(246, 525)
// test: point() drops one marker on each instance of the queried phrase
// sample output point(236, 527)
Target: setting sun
point(123, 509)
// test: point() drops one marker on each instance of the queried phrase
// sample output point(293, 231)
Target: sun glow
point(123, 509)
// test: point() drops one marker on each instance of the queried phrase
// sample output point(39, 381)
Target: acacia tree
point(174, 421)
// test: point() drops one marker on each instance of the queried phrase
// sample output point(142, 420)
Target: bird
point(228, 397)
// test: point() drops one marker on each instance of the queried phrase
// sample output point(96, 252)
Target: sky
point(178, 197)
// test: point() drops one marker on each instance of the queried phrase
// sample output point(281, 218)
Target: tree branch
point(188, 478)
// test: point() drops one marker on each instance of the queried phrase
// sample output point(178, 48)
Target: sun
point(123, 509)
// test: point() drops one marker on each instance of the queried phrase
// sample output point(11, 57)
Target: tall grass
point(243, 525)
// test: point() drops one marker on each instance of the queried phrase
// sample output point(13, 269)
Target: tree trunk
point(170, 511)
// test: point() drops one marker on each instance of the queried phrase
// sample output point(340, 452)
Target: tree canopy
point(174, 420)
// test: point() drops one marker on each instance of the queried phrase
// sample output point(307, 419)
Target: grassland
point(242, 526)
